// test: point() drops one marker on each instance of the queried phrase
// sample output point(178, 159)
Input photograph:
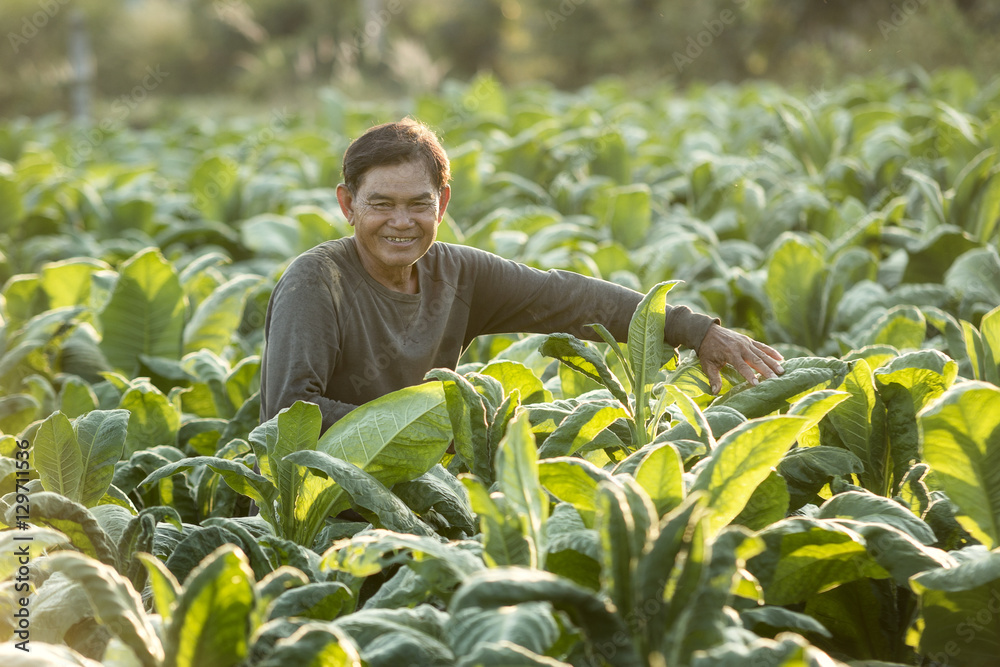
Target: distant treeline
point(265, 49)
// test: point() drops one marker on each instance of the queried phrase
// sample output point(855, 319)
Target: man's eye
point(381, 205)
point(421, 207)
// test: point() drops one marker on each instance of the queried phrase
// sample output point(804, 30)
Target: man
point(358, 317)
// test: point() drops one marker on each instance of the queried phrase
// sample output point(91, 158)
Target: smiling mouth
point(400, 239)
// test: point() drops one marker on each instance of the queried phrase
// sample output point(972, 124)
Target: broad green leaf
point(530, 625)
point(304, 499)
point(931, 191)
point(902, 327)
point(323, 601)
point(153, 418)
point(779, 617)
point(973, 278)
point(693, 415)
point(678, 551)
point(396, 437)
point(862, 618)
point(796, 275)
point(790, 650)
point(859, 421)
point(442, 492)
point(959, 604)
point(806, 470)
point(661, 475)
point(721, 419)
point(67, 283)
point(501, 587)
point(100, 435)
point(768, 504)
point(467, 413)
point(514, 375)
point(115, 603)
point(365, 491)
point(210, 625)
point(216, 319)
point(802, 374)
point(76, 398)
point(573, 383)
point(261, 562)
point(574, 549)
point(239, 477)
point(502, 653)
point(743, 459)
point(647, 352)
point(906, 385)
point(898, 551)
point(503, 542)
point(23, 297)
point(815, 405)
point(213, 185)
point(145, 314)
point(986, 211)
point(808, 556)
point(575, 481)
point(870, 508)
point(59, 609)
point(960, 439)
point(58, 457)
point(11, 208)
point(583, 358)
point(49, 509)
point(619, 553)
point(581, 427)
point(990, 330)
point(646, 345)
point(702, 624)
point(314, 645)
point(370, 551)
point(615, 348)
point(388, 637)
point(17, 412)
point(518, 479)
point(35, 541)
point(627, 213)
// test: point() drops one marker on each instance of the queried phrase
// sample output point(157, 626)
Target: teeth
point(399, 238)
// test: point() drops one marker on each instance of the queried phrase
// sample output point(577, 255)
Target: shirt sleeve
point(510, 297)
point(301, 315)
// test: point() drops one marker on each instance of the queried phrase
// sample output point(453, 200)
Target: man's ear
point(443, 200)
point(346, 199)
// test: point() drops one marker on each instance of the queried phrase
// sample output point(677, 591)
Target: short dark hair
point(395, 143)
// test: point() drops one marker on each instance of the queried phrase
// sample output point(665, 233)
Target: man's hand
point(722, 346)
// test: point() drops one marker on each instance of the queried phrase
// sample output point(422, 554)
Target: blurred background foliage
point(270, 51)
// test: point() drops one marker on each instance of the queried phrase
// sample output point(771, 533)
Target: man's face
point(395, 214)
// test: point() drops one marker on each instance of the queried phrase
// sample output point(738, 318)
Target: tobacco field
point(600, 506)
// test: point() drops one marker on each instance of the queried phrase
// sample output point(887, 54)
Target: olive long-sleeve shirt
point(338, 338)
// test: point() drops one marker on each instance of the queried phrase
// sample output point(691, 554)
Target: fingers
point(764, 364)
point(744, 369)
point(744, 354)
point(714, 377)
point(768, 350)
